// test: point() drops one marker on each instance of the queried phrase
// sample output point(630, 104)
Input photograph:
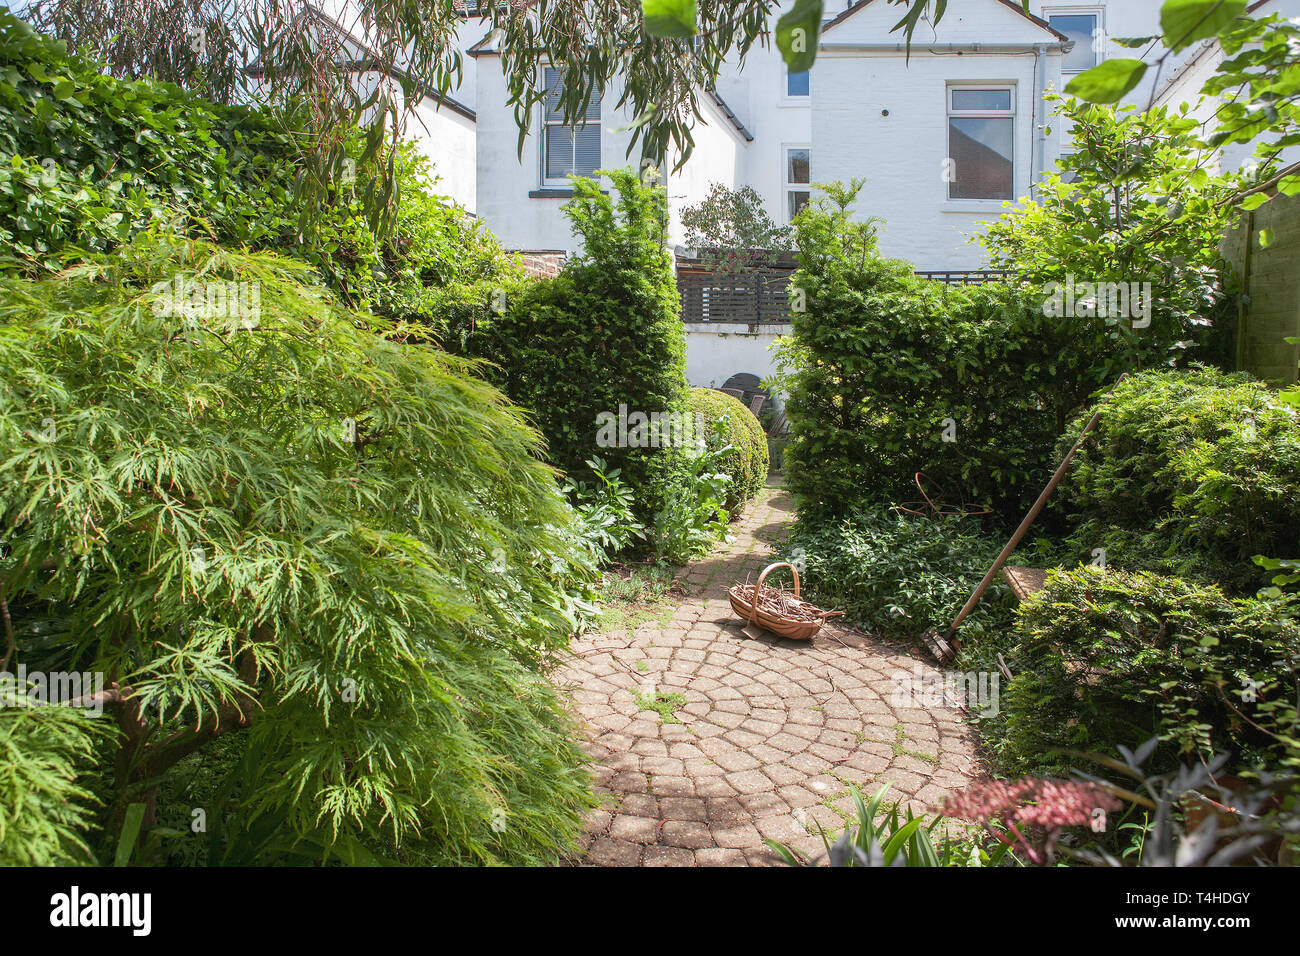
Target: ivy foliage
point(92, 160)
point(291, 526)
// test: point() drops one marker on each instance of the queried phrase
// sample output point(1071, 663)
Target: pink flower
point(1032, 804)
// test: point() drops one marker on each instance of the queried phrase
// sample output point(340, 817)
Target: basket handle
point(758, 587)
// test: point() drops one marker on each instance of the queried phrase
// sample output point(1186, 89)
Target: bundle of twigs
point(776, 609)
point(778, 601)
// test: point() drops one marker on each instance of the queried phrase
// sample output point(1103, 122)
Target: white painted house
point(944, 137)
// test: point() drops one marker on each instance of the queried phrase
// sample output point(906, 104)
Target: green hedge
point(747, 461)
point(94, 160)
point(1105, 657)
point(603, 336)
point(882, 367)
point(1197, 471)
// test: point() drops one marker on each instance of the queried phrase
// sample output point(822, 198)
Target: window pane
point(587, 159)
point(798, 199)
point(983, 152)
point(796, 166)
point(559, 152)
point(981, 99)
point(553, 87)
point(796, 84)
point(1079, 27)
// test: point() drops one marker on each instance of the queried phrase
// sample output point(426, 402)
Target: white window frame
point(1011, 114)
point(788, 187)
point(1085, 10)
point(542, 144)
point(789, 100)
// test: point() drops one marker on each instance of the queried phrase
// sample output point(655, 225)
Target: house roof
point(727, 111)
point(371, 62)
point(1011, 4)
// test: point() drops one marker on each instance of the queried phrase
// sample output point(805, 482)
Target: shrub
point(603, 336)
point(1140, 206)
point(298, 529)
point(693, 514)
point(889, 374)
point(1198, 470)
point(82, 176)
point(729, 424)
point(1106, 657)
point(898, 575)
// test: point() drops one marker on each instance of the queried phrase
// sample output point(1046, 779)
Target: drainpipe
point(1039, 147)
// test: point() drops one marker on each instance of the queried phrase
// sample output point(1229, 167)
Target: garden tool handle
point(1032, 516)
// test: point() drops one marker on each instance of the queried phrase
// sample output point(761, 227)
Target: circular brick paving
point(771, 735)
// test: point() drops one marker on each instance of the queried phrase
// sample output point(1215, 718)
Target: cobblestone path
point(771, 735)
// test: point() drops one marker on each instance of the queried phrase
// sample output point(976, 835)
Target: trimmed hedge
point(1195, 470)
point(1108, 657)
point(747, 461)
point(889, 374)
point(605, 333)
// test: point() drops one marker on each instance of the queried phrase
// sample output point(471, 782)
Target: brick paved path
point(772, 732)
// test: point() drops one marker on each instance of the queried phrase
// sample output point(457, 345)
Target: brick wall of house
point(542, 263)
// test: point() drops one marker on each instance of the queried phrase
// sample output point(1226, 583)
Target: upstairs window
point(798, 188)
point(982, 142)
point(568, 150)
point(797, 84)
point(1085, 30)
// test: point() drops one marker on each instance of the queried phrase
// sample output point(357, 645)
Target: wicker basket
point(744, 601)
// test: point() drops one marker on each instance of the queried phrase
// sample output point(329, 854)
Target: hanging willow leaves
point(300, 60)
point(1184, 22)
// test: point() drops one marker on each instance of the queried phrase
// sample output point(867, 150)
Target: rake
point(944, 646)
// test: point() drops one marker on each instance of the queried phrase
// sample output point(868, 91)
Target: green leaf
point(64, 89)
point(1265, 238)
point(130, 832)
point(1132, 43)
point(1289, 185)
point(1186, 21)
point(669, 18)
point(797, 33)
point(1253, 201)
point(1107, 82)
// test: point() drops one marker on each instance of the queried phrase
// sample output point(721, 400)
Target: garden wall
point(1271, 279)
